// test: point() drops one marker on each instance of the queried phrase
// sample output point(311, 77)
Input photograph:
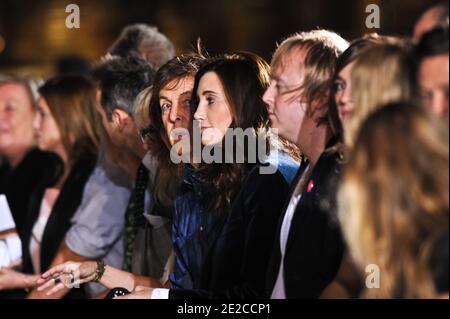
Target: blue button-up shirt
point(194, 228)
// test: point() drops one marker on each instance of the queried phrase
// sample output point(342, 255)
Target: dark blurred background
point(33, 34)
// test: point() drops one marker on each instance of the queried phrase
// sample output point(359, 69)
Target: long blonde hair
point(393, 200)
point(383, 73)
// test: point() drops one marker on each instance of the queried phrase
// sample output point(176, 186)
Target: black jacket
point(59, 221)
point(236, 264)
point(315, 245)
point(18, 184)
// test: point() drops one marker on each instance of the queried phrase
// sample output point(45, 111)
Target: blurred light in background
point(2, 44)
point(37, 36)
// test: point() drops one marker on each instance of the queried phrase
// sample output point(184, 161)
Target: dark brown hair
point(71, 100)
point(244, 78)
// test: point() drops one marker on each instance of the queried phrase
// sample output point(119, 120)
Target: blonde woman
point(19, 156)
point(393, 203)
point(383, 73)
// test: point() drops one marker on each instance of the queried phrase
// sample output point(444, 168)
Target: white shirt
point(160, 293)
point(10, 245)
point(37, 233)
point(279, 291)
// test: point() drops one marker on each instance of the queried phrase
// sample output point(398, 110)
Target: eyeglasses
point(146, 133)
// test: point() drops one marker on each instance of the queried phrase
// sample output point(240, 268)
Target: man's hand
point(67, 275)
point(64, 255)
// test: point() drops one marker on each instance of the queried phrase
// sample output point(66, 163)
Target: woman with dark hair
point(66, 126)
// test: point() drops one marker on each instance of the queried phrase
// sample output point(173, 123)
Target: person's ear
point(72, 138)
point(319, 109)
point(98, 95)
point(119, 119)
